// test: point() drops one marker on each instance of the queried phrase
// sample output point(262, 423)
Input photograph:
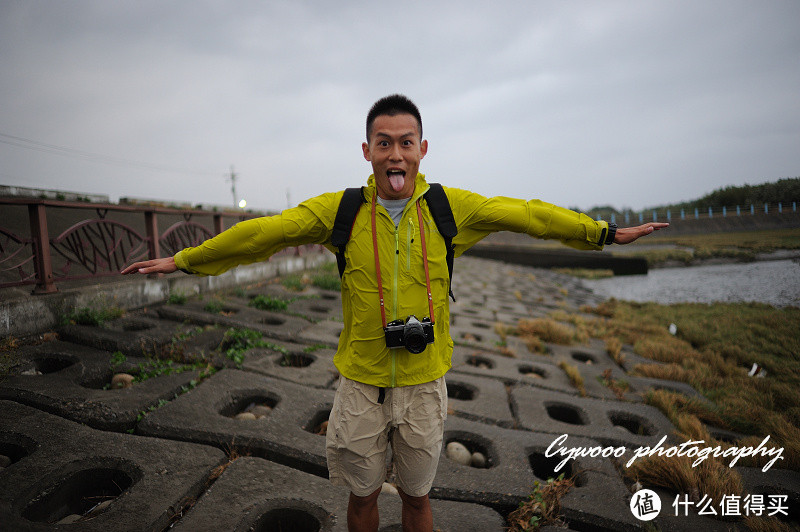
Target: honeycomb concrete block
point(257, 494)
point(134, 334)
point(516, 460)
point(69, 380)
point(270, 324)
point(514, 370)
point(610, 422)
point(479, 399)
point(288, 433)
point(299, 364)
point(324, 332)
point(62, 469)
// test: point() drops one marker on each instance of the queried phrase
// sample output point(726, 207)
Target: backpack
point(437, 202)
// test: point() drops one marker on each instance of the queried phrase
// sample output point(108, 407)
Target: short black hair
point(393, 105)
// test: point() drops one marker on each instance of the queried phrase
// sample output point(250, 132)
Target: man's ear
point(423, 148)
point(365, 149)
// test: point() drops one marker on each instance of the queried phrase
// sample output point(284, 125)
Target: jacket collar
point(420, 187)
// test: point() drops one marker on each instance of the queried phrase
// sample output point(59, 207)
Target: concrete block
point(610, 422)
point(300, 364)
point(257, 494)
point(479, 399)
point(513, 370)
point(68, 380)
point(516, 460)
point(63, 468)
point(271, 324)
point(287, 434)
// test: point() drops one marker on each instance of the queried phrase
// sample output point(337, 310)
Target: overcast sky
point(631, 103)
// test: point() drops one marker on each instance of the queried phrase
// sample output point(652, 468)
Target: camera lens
point(414, 336)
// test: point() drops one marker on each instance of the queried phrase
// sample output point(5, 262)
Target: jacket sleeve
point(256, 240)
point(477, 216)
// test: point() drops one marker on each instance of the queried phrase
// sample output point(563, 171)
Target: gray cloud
point(581, 103)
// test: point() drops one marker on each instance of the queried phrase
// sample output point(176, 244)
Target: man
point(395, 268)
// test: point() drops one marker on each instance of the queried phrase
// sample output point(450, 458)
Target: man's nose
point(395, 154)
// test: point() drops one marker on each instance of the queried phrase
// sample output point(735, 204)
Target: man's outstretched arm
point(626, 235)
point(164, 265)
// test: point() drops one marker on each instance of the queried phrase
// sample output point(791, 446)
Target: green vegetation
point(263, 302)
point(237, 342)
point(543, 507)
point(177, 298)
point(713, 350)
point(91, 316)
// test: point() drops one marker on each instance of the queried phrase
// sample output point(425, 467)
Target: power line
point(35, 145)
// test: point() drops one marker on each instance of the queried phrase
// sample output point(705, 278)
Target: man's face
point(395, 150)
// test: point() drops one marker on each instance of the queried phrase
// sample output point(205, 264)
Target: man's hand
point(165, 265)
point(626, 235)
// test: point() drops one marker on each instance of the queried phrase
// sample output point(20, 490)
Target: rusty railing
point(101, 244)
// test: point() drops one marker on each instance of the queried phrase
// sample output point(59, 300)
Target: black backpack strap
point(343, 223)
point(442, 214)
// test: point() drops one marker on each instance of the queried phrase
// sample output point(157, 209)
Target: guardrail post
point(752, 209)
point(780, 207)
point(218, 228)
point(153, 247)
point(41, 250)
point(766, 208)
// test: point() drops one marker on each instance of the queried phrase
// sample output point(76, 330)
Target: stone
point(249, 416)
point(261, 411)
point(458, 453)
point(5, 461)
point(121, 380)
point(389, 488)
point(322, 430)
point(478, 460)
point(70, 519)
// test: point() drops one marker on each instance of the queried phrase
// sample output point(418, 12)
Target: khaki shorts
point(359, 431)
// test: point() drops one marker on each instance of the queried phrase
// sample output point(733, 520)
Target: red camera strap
point(378, 260)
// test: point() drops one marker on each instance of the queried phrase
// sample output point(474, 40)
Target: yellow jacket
point(362, 354)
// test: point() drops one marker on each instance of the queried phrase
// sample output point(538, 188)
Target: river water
point(774, 282)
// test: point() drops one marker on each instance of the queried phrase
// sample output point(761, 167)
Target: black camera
point(412, 334)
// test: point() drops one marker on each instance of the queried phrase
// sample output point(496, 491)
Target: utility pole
point(232, 179)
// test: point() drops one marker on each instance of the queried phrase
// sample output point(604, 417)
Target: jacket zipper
point(409, 240)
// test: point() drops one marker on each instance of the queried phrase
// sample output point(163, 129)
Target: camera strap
point(378, 260)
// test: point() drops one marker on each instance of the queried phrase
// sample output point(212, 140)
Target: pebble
point(388, 488)
point(478, 460)
point(5, 461)
point(246, 415)
point(322, 430)
point(71, 518)
point(261, 411)
point(121, 380)
point(456, 452)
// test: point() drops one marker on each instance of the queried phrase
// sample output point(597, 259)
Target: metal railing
point(668, 215)
point(100, 244)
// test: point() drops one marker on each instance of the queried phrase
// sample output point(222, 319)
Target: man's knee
point(417, 503)
point(364, 502)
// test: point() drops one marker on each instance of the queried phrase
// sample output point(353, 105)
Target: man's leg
point(417, 516)
point(362, 513)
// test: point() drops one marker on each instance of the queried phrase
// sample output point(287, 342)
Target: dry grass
point(548, 330)
point(710, 477)
point(614, 349)
point(714, 347)
point(574, 376)
point(543, 508)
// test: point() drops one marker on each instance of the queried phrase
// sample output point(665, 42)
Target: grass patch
point(95, 317)
point(543, 507)
point(177, 298)
point(586, 273)
point(713, 349)
point(237, 342)
point(574, 376)
point(547, 330)
point(263, 302)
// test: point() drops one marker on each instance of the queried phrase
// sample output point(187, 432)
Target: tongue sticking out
point(397, 180)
